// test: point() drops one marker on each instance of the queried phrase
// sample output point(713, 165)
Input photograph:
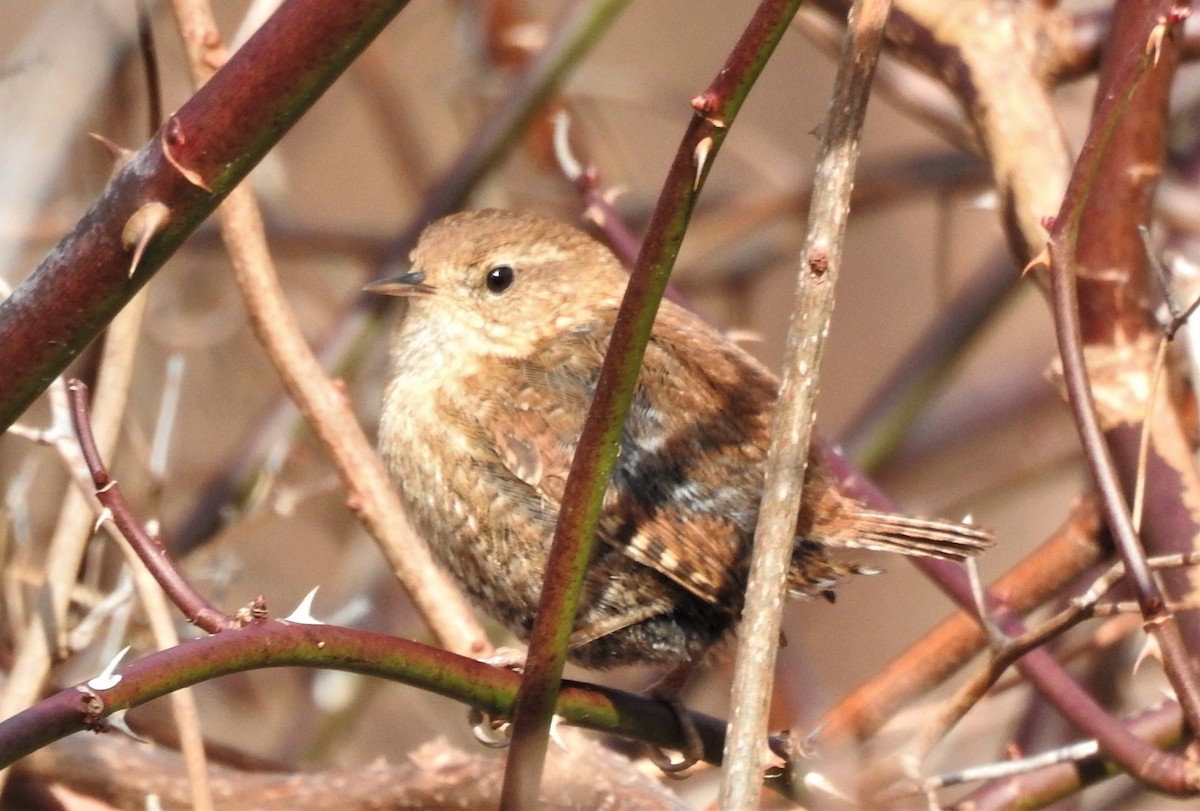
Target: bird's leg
point(668, 690)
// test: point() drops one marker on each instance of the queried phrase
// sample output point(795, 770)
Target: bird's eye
point(500, 278)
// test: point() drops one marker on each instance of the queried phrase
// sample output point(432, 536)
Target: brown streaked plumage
point(494, 366)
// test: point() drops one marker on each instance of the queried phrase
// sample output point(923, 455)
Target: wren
point(493, 369)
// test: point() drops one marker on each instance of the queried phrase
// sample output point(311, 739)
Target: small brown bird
point(494, 367)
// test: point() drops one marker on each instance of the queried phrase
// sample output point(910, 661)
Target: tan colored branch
point(321, 400)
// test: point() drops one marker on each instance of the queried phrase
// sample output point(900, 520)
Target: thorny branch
point(595, 452)
point(196, 158)
point(1171, 773)
point(198, 610)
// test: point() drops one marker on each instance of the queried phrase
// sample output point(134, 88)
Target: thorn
point(303, 613)
point(700, 157)
point(979, 597)
point(555, 735)
point(819, 782)
point(1162, 29)
point(120, 154)
point(1042, 260)
point(562, 147)
point(117, 721)
point(595, 215)
point(1150, 650)
point(116, 150)
point(37, 436)
point(105, 515)
point(1155, 40)
point(613, 193)
point(141, 227)
point(108, 677)
point(489, 731)
point(173, 136)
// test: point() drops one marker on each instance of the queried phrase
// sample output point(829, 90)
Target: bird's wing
point(679, 502)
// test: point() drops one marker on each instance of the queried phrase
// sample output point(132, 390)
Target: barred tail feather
point(885, 532)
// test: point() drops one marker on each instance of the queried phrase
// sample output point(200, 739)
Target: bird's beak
point(410, 283)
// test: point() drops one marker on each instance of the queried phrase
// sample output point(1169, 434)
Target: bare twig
point(933, 659)
point(774, 537)
point(992, 57)
point(47, 627)
point(1162, 726)
point(198, 610)
point(1165, 772)
point(597, 206)
point(324, 404)
point(575, 32)
point(899, 85)
point(1080, 609)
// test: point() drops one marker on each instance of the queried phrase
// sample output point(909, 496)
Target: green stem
point(596, 452)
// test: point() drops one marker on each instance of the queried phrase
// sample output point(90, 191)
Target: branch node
point(93, 707)
point(706, 105)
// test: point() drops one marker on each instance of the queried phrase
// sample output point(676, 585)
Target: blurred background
point(989, 438)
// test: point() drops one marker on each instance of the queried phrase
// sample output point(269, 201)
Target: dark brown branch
point(198, 155)
point(198, 610)
point(1106, 314)
point(150, 67)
